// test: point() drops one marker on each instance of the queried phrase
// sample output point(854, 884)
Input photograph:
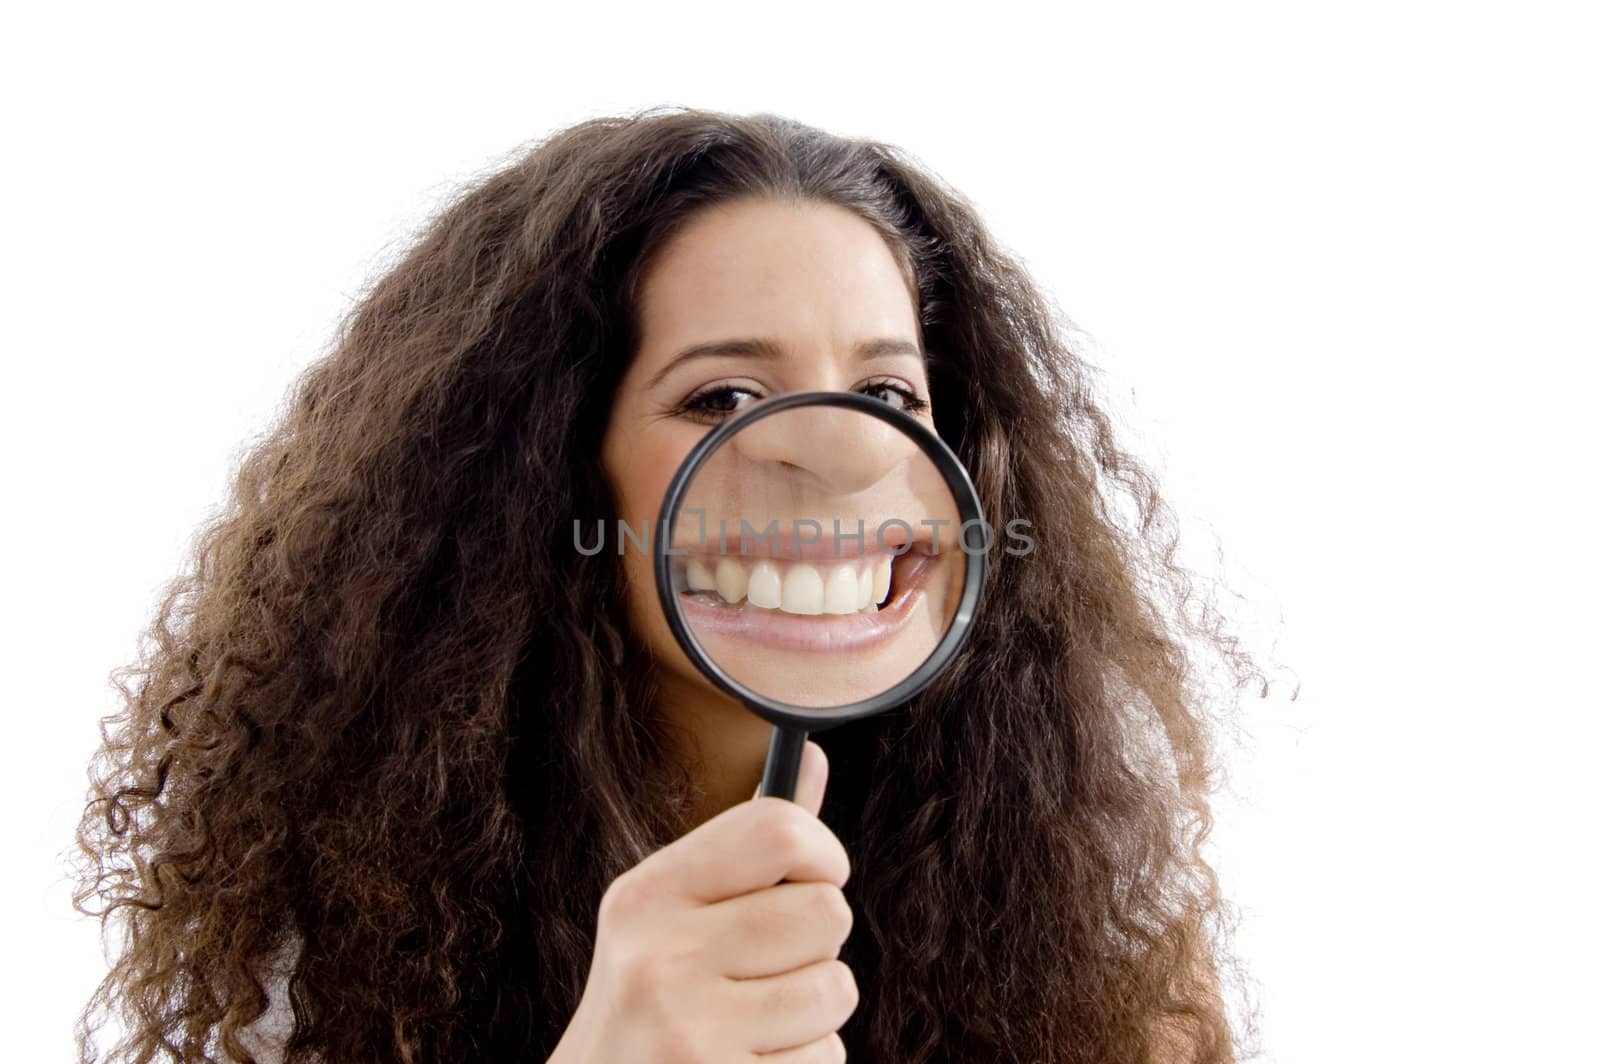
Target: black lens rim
point(781, 713)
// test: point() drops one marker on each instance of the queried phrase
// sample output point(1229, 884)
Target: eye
point(896, 395)
point(716, 403)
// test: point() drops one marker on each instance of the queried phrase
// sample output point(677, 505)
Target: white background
point(1337, 263)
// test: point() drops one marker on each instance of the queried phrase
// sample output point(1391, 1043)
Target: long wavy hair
point(389, 725)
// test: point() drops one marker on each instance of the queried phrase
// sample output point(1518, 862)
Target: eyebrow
point(771, 350)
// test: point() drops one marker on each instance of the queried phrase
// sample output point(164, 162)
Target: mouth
point(810, 605)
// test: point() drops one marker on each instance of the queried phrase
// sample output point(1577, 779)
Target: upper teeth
point(802, 588)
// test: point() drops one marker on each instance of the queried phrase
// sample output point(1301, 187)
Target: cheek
point(641, 485)
point(639, 475)
point(641, 478)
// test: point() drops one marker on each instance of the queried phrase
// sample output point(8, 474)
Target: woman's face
point(821, 291)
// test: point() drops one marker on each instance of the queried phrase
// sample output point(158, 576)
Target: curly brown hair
point(392, 724)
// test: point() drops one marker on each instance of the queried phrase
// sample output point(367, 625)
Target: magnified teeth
point(700, 576)
point(731, 581)
point(766, 586)
point(843, 591)
point(880, 582)
point(801, 588)
point(802, 591)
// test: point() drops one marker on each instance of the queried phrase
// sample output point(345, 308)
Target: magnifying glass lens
point(816, 556)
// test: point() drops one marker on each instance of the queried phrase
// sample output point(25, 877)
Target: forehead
point(761, 267)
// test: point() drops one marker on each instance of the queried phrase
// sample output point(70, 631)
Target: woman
point(396, 738)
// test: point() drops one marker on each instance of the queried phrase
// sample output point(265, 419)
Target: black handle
point(782, 773)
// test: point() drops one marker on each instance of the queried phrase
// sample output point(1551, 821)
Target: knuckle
point(827, 909)
point(832, 1049)
point(786, 829)
point(829, 989)
point(806, 995)
point(842, 989)
point(621, 898)
point(838, 915)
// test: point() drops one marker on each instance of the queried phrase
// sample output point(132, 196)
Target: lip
point(818, 633)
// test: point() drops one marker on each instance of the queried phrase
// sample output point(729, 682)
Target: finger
point(753, 845)
point(792, 1009)
point(772, 931)
point(829, 1050)
point(813, 779)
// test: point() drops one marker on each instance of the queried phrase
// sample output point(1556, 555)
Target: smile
point(806, 605)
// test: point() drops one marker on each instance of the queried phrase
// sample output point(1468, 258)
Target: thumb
point(813, 779)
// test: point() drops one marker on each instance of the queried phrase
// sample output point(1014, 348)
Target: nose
point(824, 449)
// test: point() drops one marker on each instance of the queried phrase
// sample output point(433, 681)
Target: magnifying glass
point(819, 557)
